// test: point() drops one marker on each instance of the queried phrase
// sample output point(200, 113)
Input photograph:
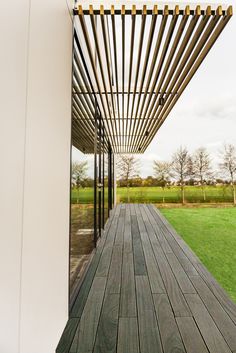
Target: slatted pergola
point(131, 65)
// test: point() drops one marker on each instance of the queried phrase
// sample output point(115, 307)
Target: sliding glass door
point(91, 170)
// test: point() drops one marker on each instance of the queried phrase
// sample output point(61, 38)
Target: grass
point(172, 194)
point(211, 234)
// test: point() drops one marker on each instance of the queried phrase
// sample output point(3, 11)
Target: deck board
point(128, 341)
point(170, 335)
point(145, 291)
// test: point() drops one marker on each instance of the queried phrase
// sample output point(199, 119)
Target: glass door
point(99, 180)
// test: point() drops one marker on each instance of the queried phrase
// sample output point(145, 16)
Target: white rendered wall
point(35, 104)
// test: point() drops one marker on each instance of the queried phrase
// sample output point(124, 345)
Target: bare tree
point(202, 169)
point(162, 171)
point(127, 169)
point(182, 168)
point(78, 174)
point(228, 165)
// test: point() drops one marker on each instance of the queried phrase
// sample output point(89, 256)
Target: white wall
point(35, 91)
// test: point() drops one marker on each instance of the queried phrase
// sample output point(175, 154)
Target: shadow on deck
point(147, 292)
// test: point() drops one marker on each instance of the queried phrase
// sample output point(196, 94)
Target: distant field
point(193, 194)
point(211, 234)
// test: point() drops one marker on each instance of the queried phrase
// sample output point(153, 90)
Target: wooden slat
point(166, 45)
point(218, 291)
point(105, 260)
point(181, 276)
point(99, 55)
point(170, 336)
point(211, 335)
point(154, 275)
point(196, 60)
point(149, 336)
point(139, 260)
point(80, 301)
point(67, 336)
point(147, 58)
point(131, 55)
point(108, 65)
point(116, 64)
point(123, 70)
point(108, 326)
point(191, 336)
point(154, 227)
point(128, 300)
point(127, 232)
point(177, 299)
point(89, 319)
point(140, 49)
point(114, 277)
point(128, 340)
point(90, 52)
point(73, 347)
point(155, 55)
point(221, 318)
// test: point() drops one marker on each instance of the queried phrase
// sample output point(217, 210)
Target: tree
point(127, 169)
point(78, 175)
point(202, 169)
point(228, 165)
point(182, 168)
point(162, 171)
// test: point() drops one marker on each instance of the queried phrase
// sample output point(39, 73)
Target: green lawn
point(211, 234)
point(193, 194)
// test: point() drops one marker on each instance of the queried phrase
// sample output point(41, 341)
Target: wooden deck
point(147, 292)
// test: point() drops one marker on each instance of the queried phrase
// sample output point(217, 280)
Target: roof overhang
point(135, 62)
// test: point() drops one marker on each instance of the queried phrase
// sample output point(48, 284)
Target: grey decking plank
point(158, 230)
point(108, 325)
point(228, 305)
point(114, 276)
point(127, 232)
point(104, 263)
point(120, 227)
point(73, 348)
point(181, 276)
point(190, 254)
point(170, 336)
point(132, 210)
point(139, 260)
point(127, 294)
point(176, 297)
point(89, 319)
point(67, 336)
point(128, 341)
point(191, 336)
point(221, 318)
point(174, 240)
point(156, 283)
point(82, 296)
point(127, 299)
point(211, 334)
point(149, 335)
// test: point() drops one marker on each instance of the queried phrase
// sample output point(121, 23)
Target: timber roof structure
point(131, 66)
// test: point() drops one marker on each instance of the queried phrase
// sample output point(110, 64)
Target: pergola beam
point(138, 68)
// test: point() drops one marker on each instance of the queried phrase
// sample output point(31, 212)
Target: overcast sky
point(205, 115)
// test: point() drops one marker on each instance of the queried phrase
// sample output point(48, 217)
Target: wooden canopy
point(131, 66)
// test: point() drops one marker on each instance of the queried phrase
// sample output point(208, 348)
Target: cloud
point(223, 108)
